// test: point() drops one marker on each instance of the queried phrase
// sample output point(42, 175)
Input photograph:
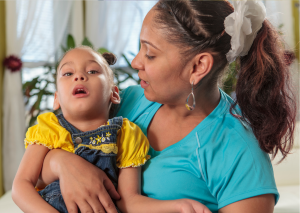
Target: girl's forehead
point(80, 55)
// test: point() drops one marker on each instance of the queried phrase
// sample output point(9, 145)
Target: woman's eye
point(150, 57)
point(67, 74)
point(92, 72)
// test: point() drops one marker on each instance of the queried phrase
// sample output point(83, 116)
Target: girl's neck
point(86, 123)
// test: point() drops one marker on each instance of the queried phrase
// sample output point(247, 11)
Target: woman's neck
point(205, 104)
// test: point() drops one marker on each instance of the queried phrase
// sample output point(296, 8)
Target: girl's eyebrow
point(92, 61)
point(69, 62)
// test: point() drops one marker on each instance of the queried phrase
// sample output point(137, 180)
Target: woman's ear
point(115, 97)
point(203, 64)
point(56, 104)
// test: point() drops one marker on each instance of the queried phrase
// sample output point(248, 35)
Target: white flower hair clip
point(242, 25)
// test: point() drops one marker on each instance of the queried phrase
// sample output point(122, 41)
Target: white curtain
point(280, 12)
point(116, 25)
point(28, 38)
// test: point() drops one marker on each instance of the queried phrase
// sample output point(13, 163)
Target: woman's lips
point(144, 84)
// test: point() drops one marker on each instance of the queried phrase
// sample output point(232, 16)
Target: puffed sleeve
point(133, 146)
point(50, 133)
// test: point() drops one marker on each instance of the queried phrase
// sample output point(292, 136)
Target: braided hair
point(263, 89)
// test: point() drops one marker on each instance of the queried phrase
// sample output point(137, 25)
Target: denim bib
point(98, 146)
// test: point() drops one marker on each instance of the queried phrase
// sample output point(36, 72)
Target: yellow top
point(131, 148)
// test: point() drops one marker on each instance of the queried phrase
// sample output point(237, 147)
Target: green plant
point(39, 88)
point(229, 82)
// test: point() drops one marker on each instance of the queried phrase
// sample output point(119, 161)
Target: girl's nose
point(80, 77)
point(137, 63)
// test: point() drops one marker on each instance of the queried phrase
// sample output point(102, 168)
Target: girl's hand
point(83, 185)
point(191, 206)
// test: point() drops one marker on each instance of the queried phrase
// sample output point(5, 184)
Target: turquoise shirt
point(217, 163)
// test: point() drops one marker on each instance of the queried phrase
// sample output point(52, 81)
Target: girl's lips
point(80, 91)
point(144, 84)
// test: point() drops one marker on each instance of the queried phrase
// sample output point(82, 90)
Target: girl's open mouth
point(80, 91)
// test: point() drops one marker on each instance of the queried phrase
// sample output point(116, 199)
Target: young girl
point(85, 92)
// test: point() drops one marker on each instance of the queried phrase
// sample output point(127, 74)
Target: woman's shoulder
point(134, 91)
point(232, 162)
point(134, 104)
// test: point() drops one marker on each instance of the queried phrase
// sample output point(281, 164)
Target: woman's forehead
point(151, 33)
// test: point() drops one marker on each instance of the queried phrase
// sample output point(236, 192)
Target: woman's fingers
point(71, 206)
point(84, 206)
point(96, 206)
point(107, 202)
point(199, 207)
point(110, 188)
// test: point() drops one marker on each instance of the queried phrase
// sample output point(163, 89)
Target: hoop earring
point(191, 108)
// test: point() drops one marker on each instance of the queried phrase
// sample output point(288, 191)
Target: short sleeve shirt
point(218, 163)
point(132, 145)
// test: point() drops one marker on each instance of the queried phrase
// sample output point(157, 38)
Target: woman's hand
point(83, 185)
point(191, 206)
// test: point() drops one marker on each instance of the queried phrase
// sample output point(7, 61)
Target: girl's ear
point(115, 97)
point(56, 104)
point(203, 64)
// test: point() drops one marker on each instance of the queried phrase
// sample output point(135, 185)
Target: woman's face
point(163, 72)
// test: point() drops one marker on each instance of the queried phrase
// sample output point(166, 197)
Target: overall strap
point(116, 120)
point(65, 124)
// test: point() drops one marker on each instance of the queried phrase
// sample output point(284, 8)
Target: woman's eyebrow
point(147, 42)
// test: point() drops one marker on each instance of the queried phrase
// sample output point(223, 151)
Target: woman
point(205, 148)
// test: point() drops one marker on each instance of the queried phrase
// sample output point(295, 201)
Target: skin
point(166, 79)
point(78, 67)
point(82, 67)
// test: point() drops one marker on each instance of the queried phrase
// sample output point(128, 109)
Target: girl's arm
point(92, 184)
point(259, 204)
point(132, 201)
point(24, 193)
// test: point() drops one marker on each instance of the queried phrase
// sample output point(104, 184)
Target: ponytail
point(264, 93)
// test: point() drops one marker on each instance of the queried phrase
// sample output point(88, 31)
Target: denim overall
point(84, 142)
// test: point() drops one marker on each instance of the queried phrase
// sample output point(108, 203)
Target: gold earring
point(191, 108)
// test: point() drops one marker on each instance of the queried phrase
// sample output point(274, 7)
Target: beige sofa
point(286, 176)
point(287, 179)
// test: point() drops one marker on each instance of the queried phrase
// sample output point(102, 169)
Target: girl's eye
point(92, 72)
point(150, 57)
point(67, 74)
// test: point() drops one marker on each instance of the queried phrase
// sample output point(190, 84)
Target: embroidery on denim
point(106, 148)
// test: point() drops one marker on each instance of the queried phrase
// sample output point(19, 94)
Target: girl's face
point(83, 87)
point(162, 70)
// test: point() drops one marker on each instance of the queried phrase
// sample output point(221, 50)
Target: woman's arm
point(24, 193)
point(132, 200)
point(259, 204)
point(93, 188)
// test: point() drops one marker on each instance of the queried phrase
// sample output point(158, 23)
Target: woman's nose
point(137, 63)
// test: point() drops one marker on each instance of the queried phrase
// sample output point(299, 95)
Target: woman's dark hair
point(263, 88)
